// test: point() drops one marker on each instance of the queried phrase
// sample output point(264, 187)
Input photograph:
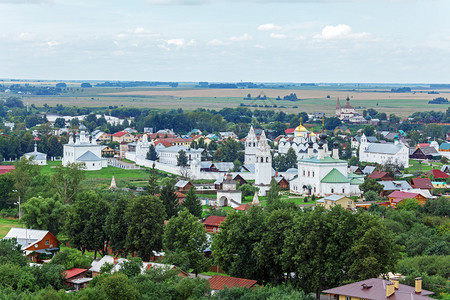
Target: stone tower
point(251, 145)
point(263, 165)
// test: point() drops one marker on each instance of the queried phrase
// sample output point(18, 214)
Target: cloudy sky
point(406, 41)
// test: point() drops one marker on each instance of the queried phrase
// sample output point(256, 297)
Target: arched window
point(343, 191)
point(254, 144)
point(303, 172)
point(309, 174)
point(262, 159)
point(267, 159)
point(313, 174)
point(332, 191)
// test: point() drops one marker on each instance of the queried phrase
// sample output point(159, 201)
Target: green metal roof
point(334, 177)
point(325, 160)
point(357, 181)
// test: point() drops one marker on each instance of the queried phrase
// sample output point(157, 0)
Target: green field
point(416, 166)
point(6, 224)
point(313, 99)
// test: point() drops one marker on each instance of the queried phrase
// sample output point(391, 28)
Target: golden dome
point(312, 134)
point(300, 128)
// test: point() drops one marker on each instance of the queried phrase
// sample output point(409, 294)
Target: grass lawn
point(6, 224)
point(416, 166)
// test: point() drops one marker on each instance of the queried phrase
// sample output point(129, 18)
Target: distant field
point(314, 99)
point(6, 224)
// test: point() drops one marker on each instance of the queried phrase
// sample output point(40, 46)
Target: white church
point(396, 153)
point(299, 142)
point(321, 174)
point(83, 150)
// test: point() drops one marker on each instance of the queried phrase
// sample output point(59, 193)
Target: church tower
point(251, 145)
point(263, 165)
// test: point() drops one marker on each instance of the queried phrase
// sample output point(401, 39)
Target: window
point(348, 298)
point(267, 159)
point(313, 174)
point(47, 242)
point(350, 202)
point(303, 172)
point(332, 191)
point(343, 191)
point(309, 173)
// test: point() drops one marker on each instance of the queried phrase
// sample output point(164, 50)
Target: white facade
point(38, 158)
point(383, 154)
point(263, 165)
point(169, 155)
point(299, 142)
point(83, 151)
point(251, 145)
point(322, 175)
point(229, 195)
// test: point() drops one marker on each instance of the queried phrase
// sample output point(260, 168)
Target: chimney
point(418, 285)
point(390, 289)
point(395, 281)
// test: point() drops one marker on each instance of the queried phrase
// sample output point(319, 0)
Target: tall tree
point(44, 213)
point(145, 215)
point(291, 159)
point(24, 175)
point(169, 199)
point(67, 180)
point(182, 159)
point(184, 234)
point(151, 154)
point(273, 196)
point(116, 226)
point(192, 203)
point(153, 186)
point(85, 222)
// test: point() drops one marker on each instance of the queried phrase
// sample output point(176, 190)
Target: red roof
point(164, 142)
point(289, 130)
point(378, 174)
point(120, 133)
point(438, 174)
point(160, 135)
point(399, 195)
point(36, 138)
point(422, 183)
point(423, 145)
point(219, 282)
point(244, 207)
point(6, 169)
point(214, 221)
point(74, 272)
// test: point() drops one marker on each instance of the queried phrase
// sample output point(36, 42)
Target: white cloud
point(53, 43)
point(340, 31)
point(216, 42)
point(277, 36)
point(268, 27)
point(241, 38)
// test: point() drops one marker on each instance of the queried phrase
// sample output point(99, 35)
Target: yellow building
point(333, 200)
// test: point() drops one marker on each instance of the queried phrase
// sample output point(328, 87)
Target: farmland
point(313, 99)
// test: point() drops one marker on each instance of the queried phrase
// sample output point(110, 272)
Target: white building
point(229, 195)
point(38, 158)
point(83, 151)
point(322, 175)
point(299, 142)
point(263, 165)
point(348, 112)
point(251, 144)
point(170, 155)
point(396, 153)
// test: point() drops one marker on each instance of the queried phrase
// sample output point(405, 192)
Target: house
point(390, 186)
point(422, 183)
point(239, 179)
point(6, 169)
point(229, 195)
point(439, 184)
point(104, 137)
point(396, 153)
point(76, 278)
point(398, 196)
point(369, 169)
point(108, 151)
point(355, 170)
point(437, 174)
point(282, 182)
point(170, 155)
point(37, 244)
point(212, 223)
point(330, 201)
point(219, 282)
point(36, 157)
point(183, 185)
point(357, 139)
point(429, 153)
point(383, 176)
point(122, 136)
point(377, 288)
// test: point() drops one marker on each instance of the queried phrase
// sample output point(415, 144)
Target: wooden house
point(383, 176)
point(212, 223)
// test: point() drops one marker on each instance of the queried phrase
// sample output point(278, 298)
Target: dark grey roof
point(88, 156)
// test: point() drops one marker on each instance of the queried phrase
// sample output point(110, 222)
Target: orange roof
point(244, 207)
point(74, 272)
point(120, 133)
point(214, 221)
point(219, 282)
point(164, 142)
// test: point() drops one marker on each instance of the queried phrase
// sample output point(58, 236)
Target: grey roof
point(37, 155)
point(387, 148)
point(181, 183)
point(26, 237)
point(368, 170)
point(205, 164)
point(88, 156)
point(429, 151)
point(224, 166)
point(292, 170)
point(395, 185)
point(334, 197)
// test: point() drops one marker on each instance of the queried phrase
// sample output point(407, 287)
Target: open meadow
point(312, 99)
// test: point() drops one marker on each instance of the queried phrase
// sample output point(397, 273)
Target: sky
point(367, 41)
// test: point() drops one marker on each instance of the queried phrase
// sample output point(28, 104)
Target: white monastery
point(396, 153)
point(299, 143)
point(38, 158)
point(83, 150)
point(321, 174)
